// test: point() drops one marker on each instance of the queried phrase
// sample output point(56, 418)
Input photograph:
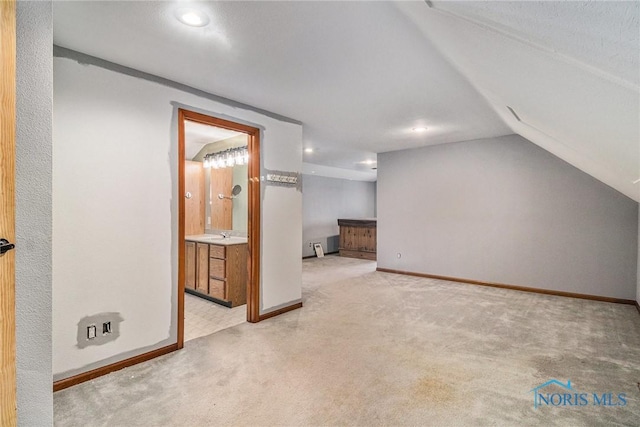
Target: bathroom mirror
point(225, 205)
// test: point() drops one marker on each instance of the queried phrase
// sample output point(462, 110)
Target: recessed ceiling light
point(192, 17)
point(368, 162)
point(419, 129)
point(308, 150)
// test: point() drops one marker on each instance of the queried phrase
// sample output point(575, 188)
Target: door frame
point(254, 214)
point(7, 219)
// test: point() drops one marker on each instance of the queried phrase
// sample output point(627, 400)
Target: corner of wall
point(34, 82)
point(638, 276)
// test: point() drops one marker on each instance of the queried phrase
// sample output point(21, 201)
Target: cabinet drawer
point(216, 251)
point(217, 268)
point(217, 289)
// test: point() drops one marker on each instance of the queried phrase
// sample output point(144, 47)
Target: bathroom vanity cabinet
point(358, 238)
point(217, 272)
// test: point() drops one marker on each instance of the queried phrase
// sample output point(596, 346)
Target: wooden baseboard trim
point(512, 287)
point(315, 256)
point(98, 372)
point(638, 307)
point(280, 311)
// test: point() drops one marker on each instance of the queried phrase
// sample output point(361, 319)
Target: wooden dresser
point(358, 238)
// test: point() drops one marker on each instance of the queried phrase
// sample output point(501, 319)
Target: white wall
point(115, 209)
point(33, 213)
point(240, 219)
point(504, 210)
point(324, 200)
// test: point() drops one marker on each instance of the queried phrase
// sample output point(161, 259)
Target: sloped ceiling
point(361, 75)
point(569, 70)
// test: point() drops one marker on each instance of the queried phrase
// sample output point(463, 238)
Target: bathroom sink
point(214, 238)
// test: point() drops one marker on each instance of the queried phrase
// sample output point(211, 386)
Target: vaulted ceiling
point(361, 75)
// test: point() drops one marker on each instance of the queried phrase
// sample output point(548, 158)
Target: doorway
point(219, 223)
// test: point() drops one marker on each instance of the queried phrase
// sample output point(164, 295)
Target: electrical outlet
point(106, 328)
point(91, 332)
point(98, 329)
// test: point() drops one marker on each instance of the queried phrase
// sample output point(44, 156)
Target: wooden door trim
point(253, 288)
point(7, 218)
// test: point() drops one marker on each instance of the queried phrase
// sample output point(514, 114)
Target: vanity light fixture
point(192, 17)
point(227, 158)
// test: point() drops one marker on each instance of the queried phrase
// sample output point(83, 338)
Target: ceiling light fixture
point(419, 129)
point(308, 150)
point(227, 158)
point(369, 162)
point(192, 17)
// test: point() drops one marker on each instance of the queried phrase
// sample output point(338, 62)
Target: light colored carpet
point(203, 317)
point(372, 348)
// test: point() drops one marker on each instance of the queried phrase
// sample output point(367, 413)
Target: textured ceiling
point(361, 75)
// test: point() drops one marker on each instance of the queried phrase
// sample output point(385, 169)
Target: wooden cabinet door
point(218, 289)
point(194, 202)
point(236, 273)
point(190, 265)
point(202, 269)
point(221, 209)
point(368, 241)
point(217, 269)
point(349, 238)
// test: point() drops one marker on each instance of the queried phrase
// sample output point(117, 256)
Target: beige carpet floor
point(372, 348)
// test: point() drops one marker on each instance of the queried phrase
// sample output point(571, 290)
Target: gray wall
point(33, 213)
point(504, 210)
point(324, 200)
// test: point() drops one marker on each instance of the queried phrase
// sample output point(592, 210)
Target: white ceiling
point(197, 135)
point(361, 75)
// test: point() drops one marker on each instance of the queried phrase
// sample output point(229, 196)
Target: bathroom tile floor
point(203, 317)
